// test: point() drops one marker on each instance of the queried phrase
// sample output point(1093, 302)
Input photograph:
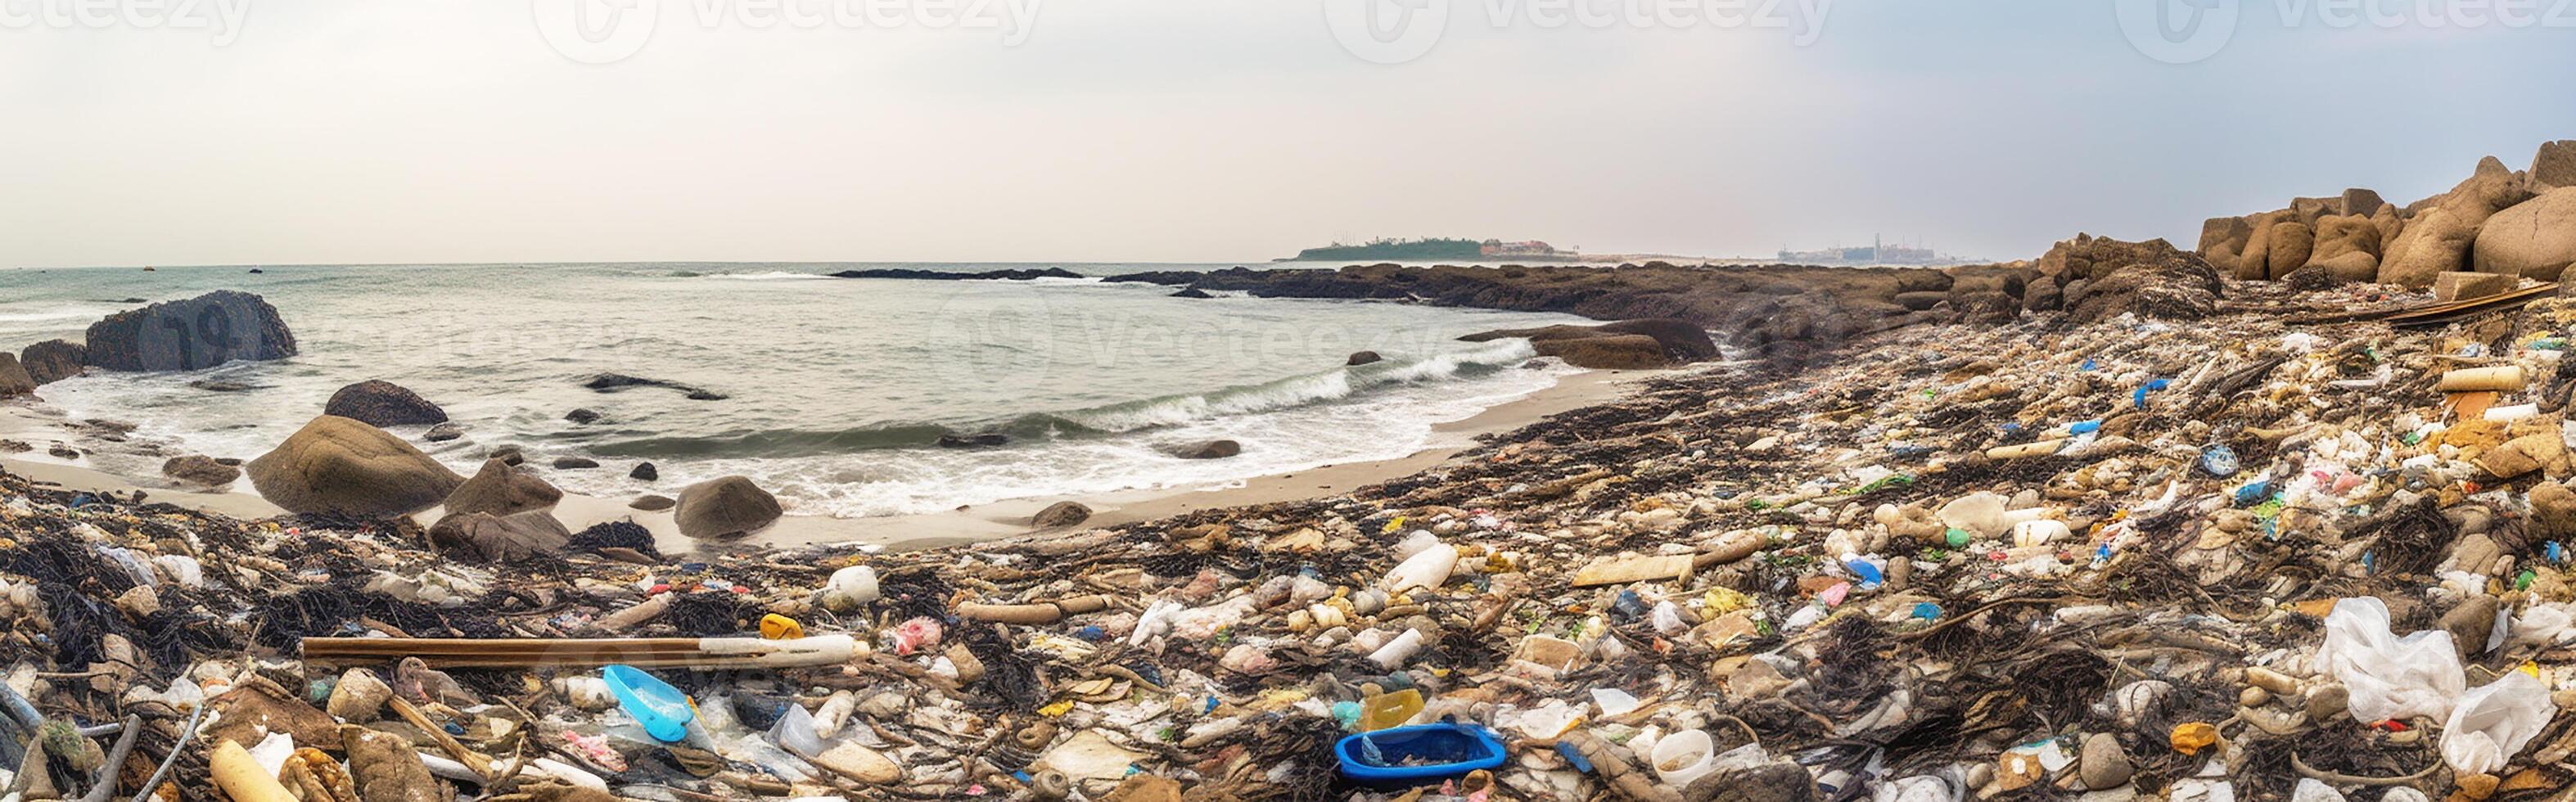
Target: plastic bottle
point(1397, 650)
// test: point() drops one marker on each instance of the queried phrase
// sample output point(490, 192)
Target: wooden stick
point(481, 764)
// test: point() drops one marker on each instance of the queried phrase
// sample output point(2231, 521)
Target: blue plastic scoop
point(663, 710)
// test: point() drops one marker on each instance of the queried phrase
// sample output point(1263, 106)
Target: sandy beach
point(33, 422)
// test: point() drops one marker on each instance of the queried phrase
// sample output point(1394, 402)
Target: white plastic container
point(1683, 756)
point(1398, 650)
point(1427, 569)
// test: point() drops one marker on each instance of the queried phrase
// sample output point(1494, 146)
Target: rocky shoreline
point(2113, 524)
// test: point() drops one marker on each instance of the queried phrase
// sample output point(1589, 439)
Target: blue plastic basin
point(663, 710)
point(1440, 751)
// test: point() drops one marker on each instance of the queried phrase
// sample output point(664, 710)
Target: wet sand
point(40, 425)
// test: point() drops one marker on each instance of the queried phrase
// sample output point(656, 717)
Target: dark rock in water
point(442, 433)
point(225, 386)
point(652, 503)
point(613, 382)
point(14, 380)
point(337, 465)
point(508, 455)
point(615, 535)
point(984, 440)
point(60, 451)
point(134, 301)
point(501, 489)
point(1212, 449)
point(727, 507)
point(583, 416)
point(200, 470)
point(1168, 278)
point(574, 463)
point(382, 403)
point(53, 360)
point(493, 538)
point(15, 447)
point(193, 334)
point(1363, 358)
point(257, 271)
point(1062, 513)
point(1192, 292)
point(644, 471)
point(938, 275)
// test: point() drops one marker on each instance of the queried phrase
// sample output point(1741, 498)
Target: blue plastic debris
point(1868, 574)
point(2084, 426)
point(1418, 755)
point(2253, 492)
point(2140, 398)
point(1927, 611)
point(1573, 757)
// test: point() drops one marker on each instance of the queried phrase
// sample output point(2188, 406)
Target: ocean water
point(837, 388)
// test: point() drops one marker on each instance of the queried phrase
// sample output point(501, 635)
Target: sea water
point(837, 389)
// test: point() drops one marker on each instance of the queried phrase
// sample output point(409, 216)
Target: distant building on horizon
point(1878, 253)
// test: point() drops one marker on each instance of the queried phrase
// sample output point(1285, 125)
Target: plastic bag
point(2494, 721)
point(2389, 677)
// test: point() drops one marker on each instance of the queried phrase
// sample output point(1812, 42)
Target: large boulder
point(501, 489)
point(2439, 237)
point(2347, 247)
point(14, 380)
point(491, 537)
point(1210, 449)
point(339, 466)
point(53, 360)
point(1643, 343)
point(1062, 513)
point(2554, 167)
point(2292, 243)
point(727, 507)
point(196, 333)
point(376, 402)
point(2534, 239)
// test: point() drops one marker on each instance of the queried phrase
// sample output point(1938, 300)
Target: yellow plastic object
point(1389, 709)
point(2190, 738)
point(778, 627)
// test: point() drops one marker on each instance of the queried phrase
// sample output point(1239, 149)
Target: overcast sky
point(374, 131)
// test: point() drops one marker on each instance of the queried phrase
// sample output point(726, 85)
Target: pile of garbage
point(2234, 557)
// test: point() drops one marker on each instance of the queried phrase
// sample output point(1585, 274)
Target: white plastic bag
point(2389, 677)
point(2494, 721)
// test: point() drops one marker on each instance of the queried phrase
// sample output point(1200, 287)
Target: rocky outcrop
point(14, 380)
point(501, 489)
point(193, 334)
point(339, 466)
point(53, 360)
point(939, 275)
point(200, 470)
point(1627, 344)
point(2439, 237)
point(2347, 247)
point(724, 508)
point(490, 538)
point(2152, 279)
point(2535, 239)
point(1362, 358)
point(376, 402)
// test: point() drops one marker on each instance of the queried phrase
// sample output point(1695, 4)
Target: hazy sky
point(372, 131)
